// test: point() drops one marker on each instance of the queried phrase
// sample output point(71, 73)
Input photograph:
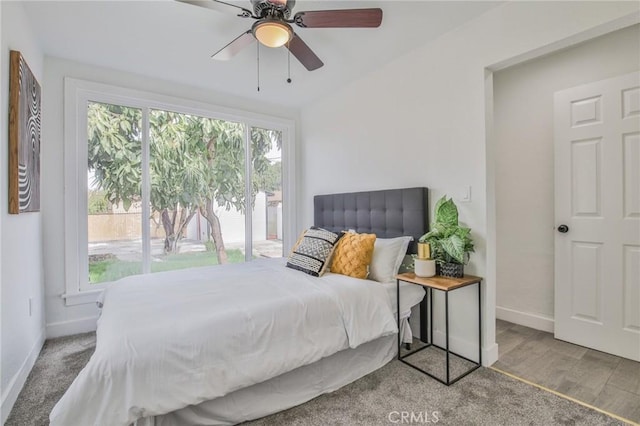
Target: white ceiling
point(174, 41)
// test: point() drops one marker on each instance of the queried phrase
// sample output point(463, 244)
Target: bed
point(262, 339)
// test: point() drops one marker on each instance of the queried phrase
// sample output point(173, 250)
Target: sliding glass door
point(267, 230)
point(169, 190)
point(114, 192)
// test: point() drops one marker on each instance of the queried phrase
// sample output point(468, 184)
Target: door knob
point(563, 228)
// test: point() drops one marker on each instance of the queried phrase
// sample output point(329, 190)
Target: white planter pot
point(424, 267)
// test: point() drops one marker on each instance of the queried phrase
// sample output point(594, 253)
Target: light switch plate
point(465, 194)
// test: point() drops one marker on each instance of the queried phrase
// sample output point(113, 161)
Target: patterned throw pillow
point(313, 250)
point(353, 255)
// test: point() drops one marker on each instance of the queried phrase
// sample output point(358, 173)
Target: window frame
point(77, 95)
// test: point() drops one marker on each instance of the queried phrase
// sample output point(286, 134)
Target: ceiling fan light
point(272, 33)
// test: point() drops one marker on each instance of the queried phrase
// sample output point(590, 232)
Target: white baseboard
point(14, 387)
point(468, 349)
point(537, 321)
point(68, 328)
point(465, 348)
point(490, 355)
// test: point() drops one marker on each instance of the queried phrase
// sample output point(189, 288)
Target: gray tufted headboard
point(387, 213)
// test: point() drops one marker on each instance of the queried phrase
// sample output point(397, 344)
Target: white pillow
point(388, 254)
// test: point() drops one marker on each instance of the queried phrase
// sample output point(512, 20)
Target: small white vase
point(424, 267)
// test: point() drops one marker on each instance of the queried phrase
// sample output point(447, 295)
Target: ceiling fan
point(272, 27)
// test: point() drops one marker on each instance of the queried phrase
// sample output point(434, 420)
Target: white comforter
point(168, 340)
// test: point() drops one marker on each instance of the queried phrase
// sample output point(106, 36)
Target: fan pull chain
point(258, 65)
point(288, 63)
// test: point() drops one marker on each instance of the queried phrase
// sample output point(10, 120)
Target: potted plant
point(450, 243)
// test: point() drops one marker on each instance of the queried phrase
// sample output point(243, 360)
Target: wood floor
point(604, 381)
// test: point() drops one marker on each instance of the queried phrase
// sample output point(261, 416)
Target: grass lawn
point(113, 269)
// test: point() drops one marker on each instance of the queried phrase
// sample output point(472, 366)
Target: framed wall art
point(24, 137)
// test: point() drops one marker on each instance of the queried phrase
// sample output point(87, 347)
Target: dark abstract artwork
point(24, 137)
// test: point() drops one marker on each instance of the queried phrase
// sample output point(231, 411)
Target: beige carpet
point(485, 397)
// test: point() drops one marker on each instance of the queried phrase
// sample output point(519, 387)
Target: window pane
point(114, 182)
point(197, 191)
point(266, 147)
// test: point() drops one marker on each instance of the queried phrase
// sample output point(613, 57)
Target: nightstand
point(446, 285)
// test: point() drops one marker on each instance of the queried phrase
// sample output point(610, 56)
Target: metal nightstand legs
point(430, 343)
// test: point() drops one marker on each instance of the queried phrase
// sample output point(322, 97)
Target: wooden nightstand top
point(438, 282)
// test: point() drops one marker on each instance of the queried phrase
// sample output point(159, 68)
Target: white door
point(597, 199)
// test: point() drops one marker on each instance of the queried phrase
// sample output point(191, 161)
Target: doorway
point(524, 167)
point(597, 188)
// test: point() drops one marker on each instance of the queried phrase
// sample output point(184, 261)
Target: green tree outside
point(195, 163)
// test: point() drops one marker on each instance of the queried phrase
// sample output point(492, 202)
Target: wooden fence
point(120, 226)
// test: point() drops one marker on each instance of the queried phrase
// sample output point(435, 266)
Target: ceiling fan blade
point(345, 18)
point(219, 6)
point(303, 53)
point(236, 45)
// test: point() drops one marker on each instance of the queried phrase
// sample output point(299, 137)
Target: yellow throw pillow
point(353, 255)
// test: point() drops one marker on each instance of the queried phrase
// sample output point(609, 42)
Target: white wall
point(21, 239)
point(232, 222)
point(523, 113)
point(420, 121)
point(61, 319)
